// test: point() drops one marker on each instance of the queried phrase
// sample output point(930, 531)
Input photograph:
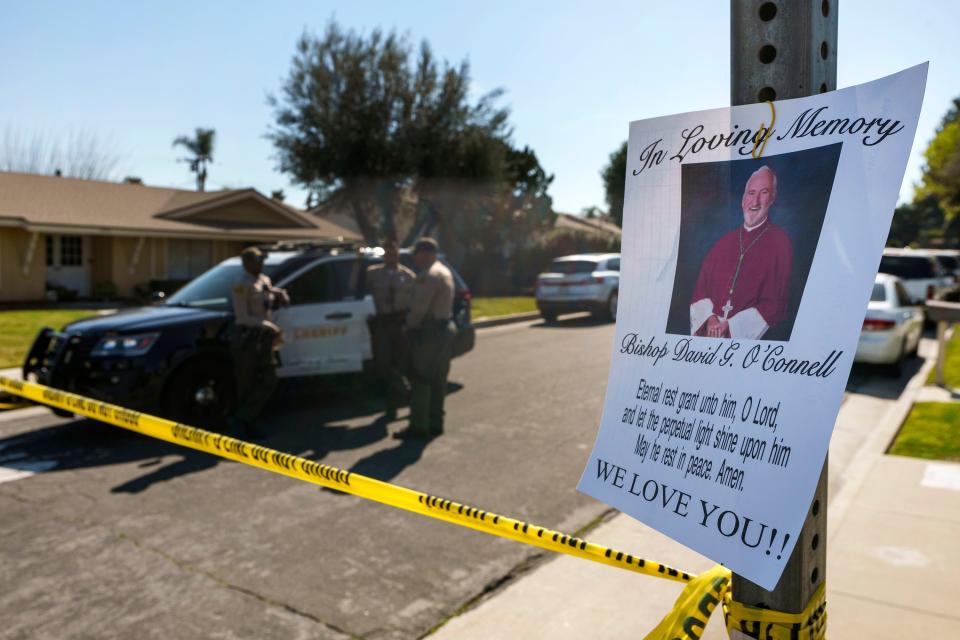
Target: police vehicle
point(173, 358)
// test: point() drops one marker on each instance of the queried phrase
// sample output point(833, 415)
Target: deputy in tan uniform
point(428, 324)
point(254, 342)
point(391, 284)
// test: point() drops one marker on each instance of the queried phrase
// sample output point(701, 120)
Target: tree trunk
point(360, 213)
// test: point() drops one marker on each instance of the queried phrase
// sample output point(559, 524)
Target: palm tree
point(201, 148)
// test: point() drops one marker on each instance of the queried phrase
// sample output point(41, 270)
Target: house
point(81, 234)
point(597, 226)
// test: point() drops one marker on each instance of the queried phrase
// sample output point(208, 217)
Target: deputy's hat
point(425, 244)
point(252, 253)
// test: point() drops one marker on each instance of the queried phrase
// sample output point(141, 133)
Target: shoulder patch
point(239, 288)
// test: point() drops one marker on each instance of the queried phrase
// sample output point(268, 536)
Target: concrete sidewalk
point(894, 552)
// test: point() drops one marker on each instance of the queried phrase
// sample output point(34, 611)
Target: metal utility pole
point(783, 49)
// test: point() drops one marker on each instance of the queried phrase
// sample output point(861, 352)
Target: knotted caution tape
point(691, 612)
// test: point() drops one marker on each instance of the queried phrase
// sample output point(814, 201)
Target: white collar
point(756, 226)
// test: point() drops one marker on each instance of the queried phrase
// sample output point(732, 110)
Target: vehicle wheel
point(895, 368)
point(201, 394)
point(612, 305)
point(548, 316)
point(915, 349)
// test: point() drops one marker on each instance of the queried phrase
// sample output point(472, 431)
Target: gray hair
point(773, 175)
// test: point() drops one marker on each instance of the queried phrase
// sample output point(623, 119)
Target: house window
point(48, 240)
point(71, 251)
point(187, 259)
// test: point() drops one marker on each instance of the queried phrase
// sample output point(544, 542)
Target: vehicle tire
point(611, 310)
point(916, 348)
point(895, 368)
point(201, 394)
point(548, 316)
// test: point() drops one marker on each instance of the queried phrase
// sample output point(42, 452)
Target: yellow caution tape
point(809, 624)
point(6, 406)
point(331, 477)
point(691, 611)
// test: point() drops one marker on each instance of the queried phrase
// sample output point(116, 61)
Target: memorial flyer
point(751, 238)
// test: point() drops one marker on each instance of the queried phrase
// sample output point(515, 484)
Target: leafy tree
point(200, 147)
point(941, 173)
point(614, 176)
point(367, 122)
point(591, 213)
point(278, 195)
point(341, 119)
point(916, 223)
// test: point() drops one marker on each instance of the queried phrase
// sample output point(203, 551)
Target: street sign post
point(782, 49)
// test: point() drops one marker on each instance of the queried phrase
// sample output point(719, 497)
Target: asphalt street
point(108, 534)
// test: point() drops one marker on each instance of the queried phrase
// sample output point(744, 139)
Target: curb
point(875, 448)
point(496, 321)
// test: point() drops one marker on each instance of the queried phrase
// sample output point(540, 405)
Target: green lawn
point(932, 430)
point(18, 328)
point(490, 307)
point(951, 364)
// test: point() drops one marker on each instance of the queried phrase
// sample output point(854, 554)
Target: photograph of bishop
point(744, 284)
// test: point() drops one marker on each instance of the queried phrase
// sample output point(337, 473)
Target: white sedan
point(892, 327)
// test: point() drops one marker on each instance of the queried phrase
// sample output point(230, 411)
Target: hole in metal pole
point(766, 94)
point(768, 11)
point(816, 507)
point(815, 542)
point(823, 50)
point(767, 53)
point(814, 575)
point(823, 88)
point(825, 8)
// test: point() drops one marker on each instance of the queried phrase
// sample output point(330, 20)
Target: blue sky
point(575, 73)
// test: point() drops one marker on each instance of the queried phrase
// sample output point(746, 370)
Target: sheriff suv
point(174, 359)
point(584, 282)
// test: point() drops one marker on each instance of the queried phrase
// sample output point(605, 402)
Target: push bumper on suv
point(62, 361)
point(554, 307)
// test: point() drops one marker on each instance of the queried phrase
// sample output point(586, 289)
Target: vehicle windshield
point(908, 267)
point(879, 293)
point(211, 289)
point(567, 267)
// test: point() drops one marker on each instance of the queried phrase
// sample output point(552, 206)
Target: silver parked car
point(892, 326)
point(583, 282)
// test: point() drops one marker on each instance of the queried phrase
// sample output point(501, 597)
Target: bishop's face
point(758, 197)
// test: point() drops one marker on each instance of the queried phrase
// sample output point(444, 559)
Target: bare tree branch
point(79, 154)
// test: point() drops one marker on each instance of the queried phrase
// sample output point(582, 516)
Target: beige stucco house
point(78, 233)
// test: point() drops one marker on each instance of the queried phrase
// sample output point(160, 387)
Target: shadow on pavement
point(387, 464)
point(303, 421)
point(882, 381)
point(571, 322)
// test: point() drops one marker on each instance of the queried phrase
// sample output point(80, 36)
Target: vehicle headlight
point(135, 345)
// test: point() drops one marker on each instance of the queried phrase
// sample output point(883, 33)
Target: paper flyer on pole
point(751, 239)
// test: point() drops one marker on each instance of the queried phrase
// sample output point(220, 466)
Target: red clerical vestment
point(761, 289)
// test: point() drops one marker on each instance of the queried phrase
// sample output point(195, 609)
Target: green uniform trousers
point(430, 352)
point(390, 354)
point(255, 370)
